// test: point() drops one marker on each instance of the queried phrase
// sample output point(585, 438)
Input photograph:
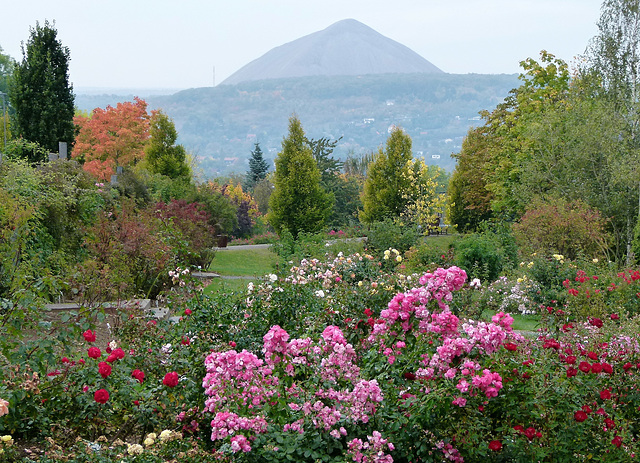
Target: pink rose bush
point(328, 390)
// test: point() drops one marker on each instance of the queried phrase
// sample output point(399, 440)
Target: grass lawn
point(218, 285)
point(247, 262)
point(520, 322)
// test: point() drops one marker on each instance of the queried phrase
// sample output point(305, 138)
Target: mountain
point(346, 48)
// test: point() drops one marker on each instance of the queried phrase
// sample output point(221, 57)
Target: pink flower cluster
point(372, 451)
point(250, 378)
point(241, 381)
point(228, 424)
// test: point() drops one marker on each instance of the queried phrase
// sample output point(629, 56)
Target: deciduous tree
point(162, 154)
point(112, 137)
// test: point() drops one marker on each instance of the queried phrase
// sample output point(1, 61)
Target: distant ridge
point(345, 48)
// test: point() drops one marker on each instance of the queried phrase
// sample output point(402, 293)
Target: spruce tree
point(298, 203)
point(41, 94)
point(258, 168)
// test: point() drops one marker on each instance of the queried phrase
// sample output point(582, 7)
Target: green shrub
point(392, 234)
point(487, 254)
point(556, 226)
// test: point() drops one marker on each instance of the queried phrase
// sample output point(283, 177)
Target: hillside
point(221, 124)
point(346, 48)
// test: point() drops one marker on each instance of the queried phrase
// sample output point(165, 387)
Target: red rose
point(615, 316)
point(608, 369)
point(139, 375)
point(511, 347)
point(617, 441)
point(580, 416)
point(605, 394)
point(592, 355)
point(101, 396)
point(119, 353)
point(94, 353)
point(596, 368)
point(410, 376)
point(170, 379)
point(609, 423)
point(495, 445)
point(112, 358)
point(571, 359)
point(571, 372)
point(584, 367)
point(530, 433)
point(185, 341)
point(368, 312)
point(187, 311)
point(586, 409)
point(104, 369)
point(89, 336)
point(596, 322)
point(627, 366)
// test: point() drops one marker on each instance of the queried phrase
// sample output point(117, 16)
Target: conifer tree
point(258, 168)
point(298, 203)
point(41, 93)
point(387, 187)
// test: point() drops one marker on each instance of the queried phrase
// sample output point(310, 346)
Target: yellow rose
point(134, 449)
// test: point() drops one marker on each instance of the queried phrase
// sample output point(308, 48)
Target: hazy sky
point(177, 44)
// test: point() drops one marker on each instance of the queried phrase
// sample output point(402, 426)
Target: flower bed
point(337, 360)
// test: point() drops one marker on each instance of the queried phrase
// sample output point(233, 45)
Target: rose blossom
point(104, 369)
point(4, 407)
point(495, 445)
point(101, 396)
point(580, 416)
point(170, 379)
point(94, 352)
point(138, 374)
point(89, 336)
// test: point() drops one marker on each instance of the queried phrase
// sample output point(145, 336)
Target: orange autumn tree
point(112, 137)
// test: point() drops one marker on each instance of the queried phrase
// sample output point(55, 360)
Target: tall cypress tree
point(258, 168)
point(41, 94)
point(298, 202)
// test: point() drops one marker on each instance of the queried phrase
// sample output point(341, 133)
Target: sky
point(170, 44)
